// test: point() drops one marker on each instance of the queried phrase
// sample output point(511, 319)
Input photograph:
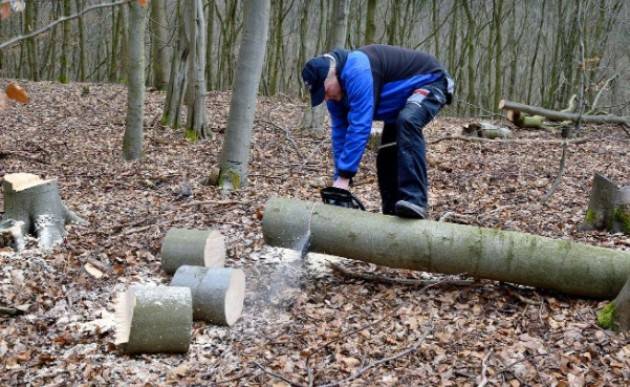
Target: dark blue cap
point(314, 74)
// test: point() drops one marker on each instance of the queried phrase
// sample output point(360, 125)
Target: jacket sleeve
point(339, 123)
point(359, 89)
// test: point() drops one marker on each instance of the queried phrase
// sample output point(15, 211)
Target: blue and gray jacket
point(376, 80)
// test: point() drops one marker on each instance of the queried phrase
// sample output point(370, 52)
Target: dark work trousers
point(401, 163)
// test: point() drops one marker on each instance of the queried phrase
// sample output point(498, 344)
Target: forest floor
point(302, 321)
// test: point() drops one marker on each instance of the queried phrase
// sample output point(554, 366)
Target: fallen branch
point(277, 376)
point(575, 141)
point(397, 281)
point(22, 154)
point(287, 135)
point(398, 355)
point(560, 116)
point(484, 370)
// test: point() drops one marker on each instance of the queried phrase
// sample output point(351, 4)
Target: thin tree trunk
point(158, 44)
point(133, 138)
point(65, 60)
point(177, 80)
point(209, 44)
point(30, 22)
point(197, 125)
point(80, 4)
point(235, 152)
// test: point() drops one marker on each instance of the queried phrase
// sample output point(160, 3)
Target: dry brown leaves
point(299, 325)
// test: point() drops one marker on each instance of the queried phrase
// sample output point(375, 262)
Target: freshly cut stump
point(192, 247)
point(37, 204)
point(154, 319)
point(218, 293)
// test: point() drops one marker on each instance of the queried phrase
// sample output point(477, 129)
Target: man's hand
point(342, 182)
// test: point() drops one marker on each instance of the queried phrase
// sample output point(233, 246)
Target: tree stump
point(192, 247)
point(37, 204)
point(608, 207)
point(153, 319)
point(616, 315)
point(218, 293)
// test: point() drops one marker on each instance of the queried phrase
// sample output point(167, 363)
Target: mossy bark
point(616, 315)
point(608, 207)
point(561, 265)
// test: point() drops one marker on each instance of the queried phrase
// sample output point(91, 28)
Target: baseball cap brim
point(317, 96)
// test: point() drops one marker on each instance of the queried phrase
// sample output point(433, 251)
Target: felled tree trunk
point(608, 207)
point(218, 293)
point(153, 319)
point(192, 247)
point(37, 204)
point(562, 116)
point(616, 315)
point(523, 120)
point(568, 267)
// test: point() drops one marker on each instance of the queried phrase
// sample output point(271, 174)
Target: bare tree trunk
point(178, 79)
point(82, 49)
point(63, 71)
point(235, 153)
point(370, 24)
point(158, 44)
point(133, 139)
point(30, 21)
point(209, 41)
point(197, 125)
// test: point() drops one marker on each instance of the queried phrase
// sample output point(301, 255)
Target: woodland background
point(526, 51)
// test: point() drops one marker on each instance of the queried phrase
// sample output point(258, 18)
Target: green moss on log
point(622, 217)
point(191, 135)
point(606, 316)
point(230, 177)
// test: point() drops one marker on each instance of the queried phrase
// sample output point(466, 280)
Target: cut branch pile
point(517, 109)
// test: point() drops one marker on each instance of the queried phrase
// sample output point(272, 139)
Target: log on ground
point(562, 116)
point(561, 265)
point(218, 293)
point(192, 247)
point(152, 319)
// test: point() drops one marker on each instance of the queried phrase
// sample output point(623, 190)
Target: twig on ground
point(575, 141)
point(8, 311)
point(377, 363)
point(398, 281)
point(523, 298)
point(484, 370)
point(23, 155)
point(277, 376)
point(524, 358)
point(287, 135)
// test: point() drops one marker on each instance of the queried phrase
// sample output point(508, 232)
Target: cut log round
point(153, 319)
point(218, 293)
point(565, 266)
point(37, 204)
point(192, 247)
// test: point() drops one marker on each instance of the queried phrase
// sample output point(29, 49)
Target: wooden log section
point(153, 319)
point(562, 116)
point(37, 205)
point(561, 265)
point(192, 247)
point(218, 293)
